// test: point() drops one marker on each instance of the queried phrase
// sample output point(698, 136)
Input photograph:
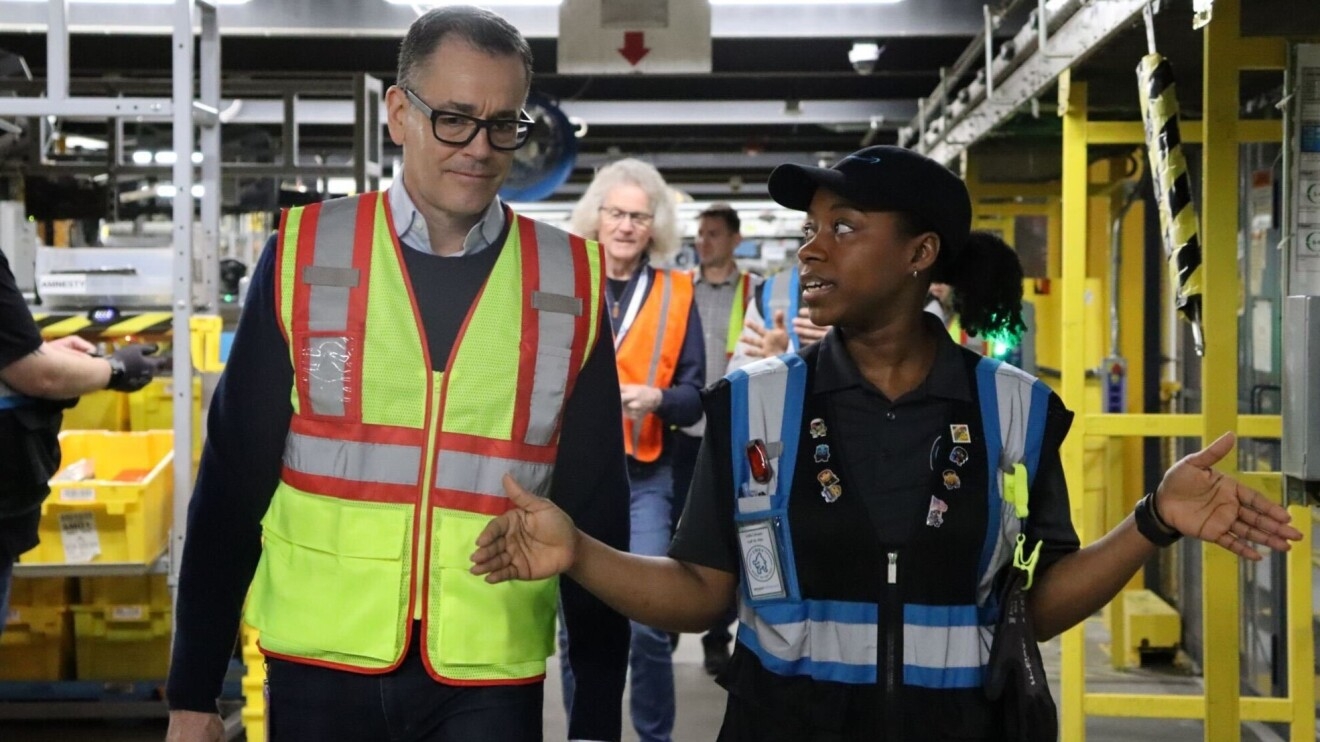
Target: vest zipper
point(421, 565)
point(892, 625)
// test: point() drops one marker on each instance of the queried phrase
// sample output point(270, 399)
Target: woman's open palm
point(532, 541)
point(1212, 506)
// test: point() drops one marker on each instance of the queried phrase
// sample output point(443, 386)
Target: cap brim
point(793, 186)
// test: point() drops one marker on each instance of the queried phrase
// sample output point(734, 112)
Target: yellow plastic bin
point(100, 410)
point(42, 591)
point(112, 501)
point(151, 590)
point(121, 642)
point(254, 687)
point(152, 408)
point(37, 644)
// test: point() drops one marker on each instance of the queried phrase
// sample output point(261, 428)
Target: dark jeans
point(314, 704)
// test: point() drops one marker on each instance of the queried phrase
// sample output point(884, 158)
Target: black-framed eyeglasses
point(615, 216)
point(457, 129)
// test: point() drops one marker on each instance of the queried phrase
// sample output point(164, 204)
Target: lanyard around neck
point(634, 306)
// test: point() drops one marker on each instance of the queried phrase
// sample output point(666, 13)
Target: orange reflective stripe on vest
point(649, 354)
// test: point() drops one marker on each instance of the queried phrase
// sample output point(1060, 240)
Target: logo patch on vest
point(831, 489)
point(935, 516)
point(544, 301)
point(958, 456)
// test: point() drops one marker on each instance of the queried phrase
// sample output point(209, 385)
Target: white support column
point(182, 42)
point(209, 51)
point(57, 51)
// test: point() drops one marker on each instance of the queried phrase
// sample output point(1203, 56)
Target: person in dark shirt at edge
point(398, 352)
point(39, 380)
point(861, 535)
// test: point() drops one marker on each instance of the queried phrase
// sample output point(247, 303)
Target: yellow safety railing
point(1220, 133)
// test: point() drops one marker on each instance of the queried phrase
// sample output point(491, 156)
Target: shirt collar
point(698, 277)
point(411, 227)
point(836, 370)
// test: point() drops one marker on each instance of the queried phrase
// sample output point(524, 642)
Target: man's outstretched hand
point(1212, 506)
point(532, 541)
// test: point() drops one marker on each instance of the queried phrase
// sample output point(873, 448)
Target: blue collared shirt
point(411, 226)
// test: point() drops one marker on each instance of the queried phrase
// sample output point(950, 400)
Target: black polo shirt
point(885, 445)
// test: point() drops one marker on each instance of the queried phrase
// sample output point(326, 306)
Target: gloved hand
point(132, 366)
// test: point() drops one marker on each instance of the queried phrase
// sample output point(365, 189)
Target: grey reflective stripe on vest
point(780, 285)
point(327, 305)
point(469, 472)
point(1013, 398)
point(665, 297)
point(555, 334)
point(853, 644)
point(1013, 393)
point(380, 463)
point(945, 656)
point(767, 383)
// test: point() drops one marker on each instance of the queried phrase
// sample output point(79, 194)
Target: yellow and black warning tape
point(57, 325)
point(1173, 186)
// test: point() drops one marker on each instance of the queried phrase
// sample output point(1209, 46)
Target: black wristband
point(1149, 523)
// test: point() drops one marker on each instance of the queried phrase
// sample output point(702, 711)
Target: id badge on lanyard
point(759, 540)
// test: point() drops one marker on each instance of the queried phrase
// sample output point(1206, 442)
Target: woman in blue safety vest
point(862, 500)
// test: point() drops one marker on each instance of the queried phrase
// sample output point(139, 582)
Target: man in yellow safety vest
point(399, 352)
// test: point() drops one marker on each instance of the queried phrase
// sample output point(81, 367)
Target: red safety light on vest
point(759, 459)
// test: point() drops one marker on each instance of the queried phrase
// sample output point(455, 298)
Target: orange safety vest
point(648, 354)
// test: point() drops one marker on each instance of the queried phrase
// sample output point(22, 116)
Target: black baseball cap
point(887, 179)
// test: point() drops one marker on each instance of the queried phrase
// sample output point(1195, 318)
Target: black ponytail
point(986, 277)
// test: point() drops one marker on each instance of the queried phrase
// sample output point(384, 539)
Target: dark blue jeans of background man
point(315, 704)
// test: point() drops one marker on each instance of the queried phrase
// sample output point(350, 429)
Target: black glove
point(1015, 679)
point(132, 366)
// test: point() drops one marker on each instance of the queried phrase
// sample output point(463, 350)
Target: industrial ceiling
point(781, 86)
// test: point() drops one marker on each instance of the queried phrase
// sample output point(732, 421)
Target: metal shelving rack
point(186, 109)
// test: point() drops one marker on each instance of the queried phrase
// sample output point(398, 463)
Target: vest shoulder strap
point(766, 399)
point(1013, 406)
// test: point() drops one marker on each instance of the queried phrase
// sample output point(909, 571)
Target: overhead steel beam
point(379, 18)
point(609, 113)
point(88, 108)
point(1087, 29)
point(672, 161)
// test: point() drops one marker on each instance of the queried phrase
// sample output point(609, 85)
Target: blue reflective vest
point(916, 620)
point(782, 291)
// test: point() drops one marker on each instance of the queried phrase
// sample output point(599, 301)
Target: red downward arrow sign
point(634, 47)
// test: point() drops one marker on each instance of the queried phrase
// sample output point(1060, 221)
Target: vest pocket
point(477, 624)
point(332, 581)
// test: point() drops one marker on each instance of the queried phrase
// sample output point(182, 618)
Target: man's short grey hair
point(484, 30)
point(664, 230)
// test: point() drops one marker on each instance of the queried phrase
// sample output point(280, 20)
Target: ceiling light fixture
point(485, 3)
point(131, 2)
point(804, 3)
